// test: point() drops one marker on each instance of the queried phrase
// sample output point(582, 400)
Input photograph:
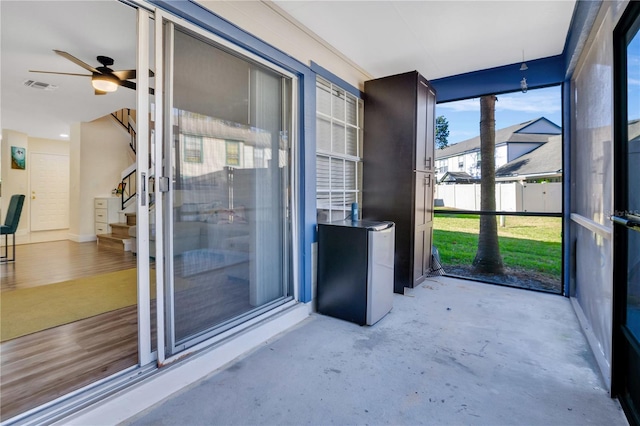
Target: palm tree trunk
point(488, 259)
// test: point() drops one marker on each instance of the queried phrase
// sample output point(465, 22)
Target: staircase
point(119, 238)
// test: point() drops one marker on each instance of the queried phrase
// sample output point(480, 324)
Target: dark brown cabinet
point(398, 173)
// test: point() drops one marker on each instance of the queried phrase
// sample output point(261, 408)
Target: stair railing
point(128, 186)
point(127, 119)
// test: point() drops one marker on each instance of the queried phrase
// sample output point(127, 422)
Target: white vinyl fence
point(510, 197)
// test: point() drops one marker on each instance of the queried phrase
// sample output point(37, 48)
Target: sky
point(512, 108)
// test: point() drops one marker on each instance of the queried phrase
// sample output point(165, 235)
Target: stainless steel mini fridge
point(355, 270)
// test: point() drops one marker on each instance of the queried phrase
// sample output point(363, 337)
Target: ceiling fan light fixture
point(104, 82)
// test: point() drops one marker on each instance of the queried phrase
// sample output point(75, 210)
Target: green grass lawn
point(526, 242)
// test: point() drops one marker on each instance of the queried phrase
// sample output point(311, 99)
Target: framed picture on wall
point(18, 158)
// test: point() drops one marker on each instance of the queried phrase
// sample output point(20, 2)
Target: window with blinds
point(338, 151)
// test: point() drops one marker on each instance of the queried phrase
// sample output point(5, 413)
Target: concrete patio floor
point(451, 352)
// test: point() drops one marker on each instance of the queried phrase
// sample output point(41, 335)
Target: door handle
point(427, 180)
point(143, 201)
point(626, 221)
point(427, 163)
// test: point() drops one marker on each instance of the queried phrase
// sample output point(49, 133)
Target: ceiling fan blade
point(76, 61)
point(132, 85)
point(61, 73)
point(127, 84)
point(129, 74)
point(125, 74)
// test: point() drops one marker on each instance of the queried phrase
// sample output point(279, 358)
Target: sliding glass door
point(208, 159)
point(228, 160)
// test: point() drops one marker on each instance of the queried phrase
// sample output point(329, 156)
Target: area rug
point(29, 310)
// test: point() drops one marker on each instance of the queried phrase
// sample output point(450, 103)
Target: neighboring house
point(511, 143)
point(458, 177)
point(543, 164)
point(531, 182)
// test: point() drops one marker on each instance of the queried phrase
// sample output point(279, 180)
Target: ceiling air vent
point(40, 85)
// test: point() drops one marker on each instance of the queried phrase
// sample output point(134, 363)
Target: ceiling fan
point(103, 78)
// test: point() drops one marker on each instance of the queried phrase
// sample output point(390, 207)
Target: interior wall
point(15, 181)
point(592, 185)
point(75, 134)
point(99, 153)
point(48, 146)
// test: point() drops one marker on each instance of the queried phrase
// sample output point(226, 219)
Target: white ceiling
point(85, 29)
point(436, 38)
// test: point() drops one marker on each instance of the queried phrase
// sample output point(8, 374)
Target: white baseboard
point(82, 238)
point(25, 237)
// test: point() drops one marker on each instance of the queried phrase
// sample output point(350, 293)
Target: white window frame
point(331, 199)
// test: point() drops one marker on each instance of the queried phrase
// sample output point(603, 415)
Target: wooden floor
point(40, 367)
point(43, 366)
point(55, 261)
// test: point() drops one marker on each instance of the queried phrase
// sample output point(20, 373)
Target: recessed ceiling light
point(64, 135)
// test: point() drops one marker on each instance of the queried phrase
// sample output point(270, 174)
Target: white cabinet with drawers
point(106, 211)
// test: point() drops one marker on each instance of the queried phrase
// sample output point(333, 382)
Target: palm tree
point(488, 259)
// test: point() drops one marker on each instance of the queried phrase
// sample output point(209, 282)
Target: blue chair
point(11, 226)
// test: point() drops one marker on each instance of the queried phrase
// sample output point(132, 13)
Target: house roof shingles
point(512, 134)
point(546, 159)
point(458, 177)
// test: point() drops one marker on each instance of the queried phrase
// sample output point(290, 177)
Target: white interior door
point(49, 191)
